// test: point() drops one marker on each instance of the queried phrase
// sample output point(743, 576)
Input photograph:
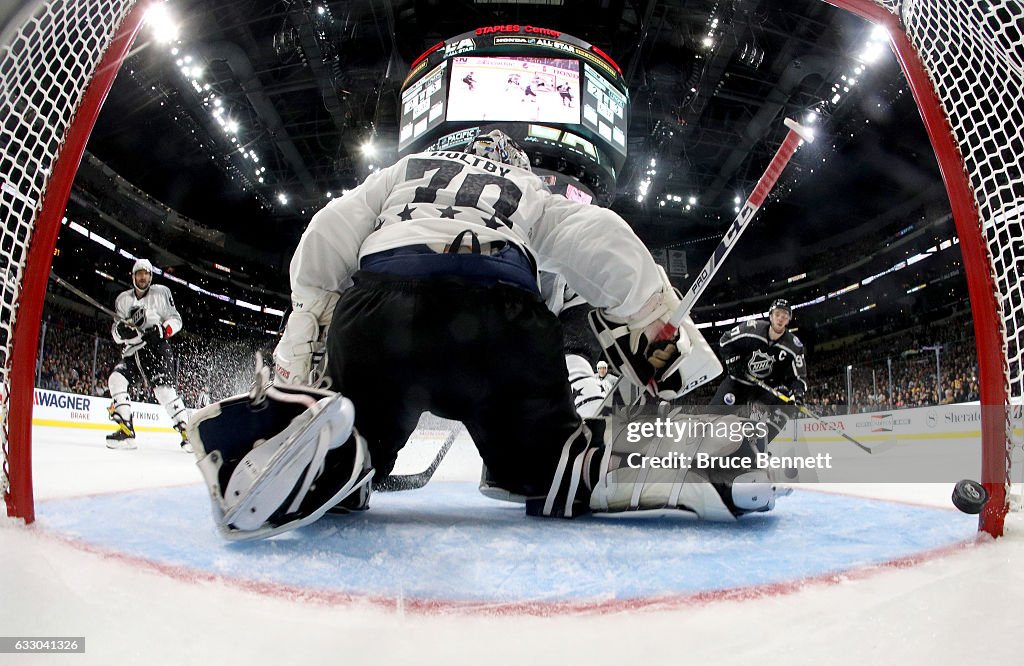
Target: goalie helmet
point(497, 146)
point(142, 265)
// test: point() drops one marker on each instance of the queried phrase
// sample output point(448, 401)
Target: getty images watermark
point(699, 432)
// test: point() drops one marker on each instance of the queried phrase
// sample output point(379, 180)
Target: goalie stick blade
point(401, 482)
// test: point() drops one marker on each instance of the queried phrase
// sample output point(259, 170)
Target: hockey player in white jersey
point(147, 319)
point(421, 287)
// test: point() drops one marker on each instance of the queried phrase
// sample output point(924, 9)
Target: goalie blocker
point(281, 457)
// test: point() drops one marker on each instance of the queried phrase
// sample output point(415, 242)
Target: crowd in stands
point(913, 369)
point(78, 356)
point(74, 353)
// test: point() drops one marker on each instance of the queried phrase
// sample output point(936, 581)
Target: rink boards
point(926, 444)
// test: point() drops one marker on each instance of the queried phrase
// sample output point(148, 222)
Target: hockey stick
point(86, 297)
point(797, 132)
point(399, 482)
point(874, 448)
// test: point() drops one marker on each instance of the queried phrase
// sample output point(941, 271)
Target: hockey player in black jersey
point(763, 349)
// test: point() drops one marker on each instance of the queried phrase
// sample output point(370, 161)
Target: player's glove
point(126, 331)
point(153, 335)
point(631, 346)
point(734, 366)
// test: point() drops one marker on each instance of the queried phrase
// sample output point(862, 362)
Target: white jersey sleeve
point(328, 252)
point(162, 302)
point(556, 293)
point(598, 255)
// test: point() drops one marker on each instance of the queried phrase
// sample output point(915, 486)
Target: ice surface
point(448, 577)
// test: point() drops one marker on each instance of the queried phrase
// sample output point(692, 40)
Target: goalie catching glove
point(279, 458)
point(666, 368)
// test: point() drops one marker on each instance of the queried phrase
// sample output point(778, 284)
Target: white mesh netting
point(972, 50)
point(48, 55)
point(974, 55)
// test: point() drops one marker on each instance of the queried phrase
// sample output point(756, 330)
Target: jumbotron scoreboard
point(562, 99)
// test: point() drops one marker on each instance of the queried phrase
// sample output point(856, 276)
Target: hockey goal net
point(962, 59)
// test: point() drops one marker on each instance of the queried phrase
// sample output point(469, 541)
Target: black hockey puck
point(969, 496)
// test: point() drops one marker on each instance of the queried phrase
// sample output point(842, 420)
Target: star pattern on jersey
point(493, 221)
point(448, 212)
point(576, 393)
point(406, 213)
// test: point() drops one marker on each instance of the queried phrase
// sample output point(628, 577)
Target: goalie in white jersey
point(421, 287)
point(147, 319)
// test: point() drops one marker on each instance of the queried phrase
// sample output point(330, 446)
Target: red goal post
point(961, 58)
point(58, 59)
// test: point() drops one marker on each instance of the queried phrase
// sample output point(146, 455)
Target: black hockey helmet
point(781, 304)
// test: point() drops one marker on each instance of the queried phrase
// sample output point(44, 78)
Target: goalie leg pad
point(627, 481)
point(281, 462)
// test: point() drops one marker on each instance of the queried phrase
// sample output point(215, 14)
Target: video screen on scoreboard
point(514, 89)
point(604, 109)
point(422, 106)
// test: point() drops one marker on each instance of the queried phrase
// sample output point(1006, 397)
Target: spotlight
point(163, 25)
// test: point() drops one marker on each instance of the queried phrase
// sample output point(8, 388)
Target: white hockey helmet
point(141, 265)
point(602, 364)
point(496, 145)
